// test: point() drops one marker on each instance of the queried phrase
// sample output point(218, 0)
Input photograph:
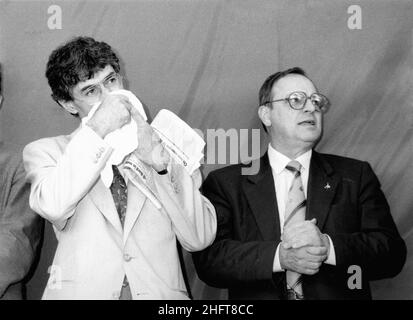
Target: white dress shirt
point(282, 181)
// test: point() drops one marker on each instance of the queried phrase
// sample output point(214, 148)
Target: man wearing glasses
point(307, 222)
point(113, 242)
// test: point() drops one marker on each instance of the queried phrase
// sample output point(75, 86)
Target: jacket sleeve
point(230, 262)
point(20, 228)
point(193, 216)
point(377, 247)
point(61, 176)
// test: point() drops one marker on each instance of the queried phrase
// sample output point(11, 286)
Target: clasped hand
point(303, 248)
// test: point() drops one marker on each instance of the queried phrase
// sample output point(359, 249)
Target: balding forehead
point(291, 83)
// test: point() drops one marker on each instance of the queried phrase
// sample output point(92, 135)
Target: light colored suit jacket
point(94, 252)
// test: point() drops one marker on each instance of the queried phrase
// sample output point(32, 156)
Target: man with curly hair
point(113, 243)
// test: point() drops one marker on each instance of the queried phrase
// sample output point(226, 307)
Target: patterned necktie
point(119, 193)
point(120, 197)
point(295, 212)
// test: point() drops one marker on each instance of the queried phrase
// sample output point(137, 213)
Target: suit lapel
point(322, 186)
point(260, 192)
point(103, 200)
point(136, 200)
point(101, 196)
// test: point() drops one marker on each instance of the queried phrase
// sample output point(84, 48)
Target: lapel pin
point(327, 186)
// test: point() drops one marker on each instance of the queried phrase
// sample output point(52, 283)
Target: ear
point(68, 106)
point(264, 115)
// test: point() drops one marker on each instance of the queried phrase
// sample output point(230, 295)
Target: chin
point(311, 137)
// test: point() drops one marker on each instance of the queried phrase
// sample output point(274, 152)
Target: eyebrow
point(110, 75)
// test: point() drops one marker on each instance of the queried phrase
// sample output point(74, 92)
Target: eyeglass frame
point(326, 107)
point(104, 83)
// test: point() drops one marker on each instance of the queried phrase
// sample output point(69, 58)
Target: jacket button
point(127, 257)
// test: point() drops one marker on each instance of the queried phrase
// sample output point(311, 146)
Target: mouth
point(308, 123)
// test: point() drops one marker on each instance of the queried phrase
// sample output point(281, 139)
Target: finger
point(311, 265)
point(306, 268)
point(294, 226)
point(313, 221)
point(300, 227)
point(301, 235)
point(291, 232)
point(286, 245)
point(117, 98)
point(310, 241)
point(288, 235)
point(306, 231)
point(285, 237)
point(319, 250)
point(300, 243)
point(165, 155)
point(155, 135)
point(316, 258)
point(127, 120)
point(127, 105)
point(136, 115)
point(310, 272)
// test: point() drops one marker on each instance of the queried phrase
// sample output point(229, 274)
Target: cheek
point(85, 108)
point(320, 120)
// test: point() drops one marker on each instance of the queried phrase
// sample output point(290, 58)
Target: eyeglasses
point(298, 99)
point(112, 82)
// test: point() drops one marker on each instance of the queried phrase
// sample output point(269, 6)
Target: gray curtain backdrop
point(205, 61)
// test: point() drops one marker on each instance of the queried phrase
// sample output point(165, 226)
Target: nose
point(309, 106)
point(104, 91)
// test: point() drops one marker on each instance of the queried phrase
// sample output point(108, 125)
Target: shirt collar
point(278, 161)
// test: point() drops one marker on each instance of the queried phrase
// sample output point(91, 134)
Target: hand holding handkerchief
point(123, 140)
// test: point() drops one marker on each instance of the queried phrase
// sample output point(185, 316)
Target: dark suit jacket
point(20, 227)
point(352, 211)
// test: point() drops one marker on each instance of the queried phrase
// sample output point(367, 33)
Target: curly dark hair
point(75, 61)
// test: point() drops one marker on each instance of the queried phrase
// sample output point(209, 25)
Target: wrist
point(326, 242)
point(281, 256)
point(99, 131)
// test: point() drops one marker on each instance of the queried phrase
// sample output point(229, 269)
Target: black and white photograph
point(206, 150)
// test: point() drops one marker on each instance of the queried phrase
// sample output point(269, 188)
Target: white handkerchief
point(182, 142)
point(123, 140)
